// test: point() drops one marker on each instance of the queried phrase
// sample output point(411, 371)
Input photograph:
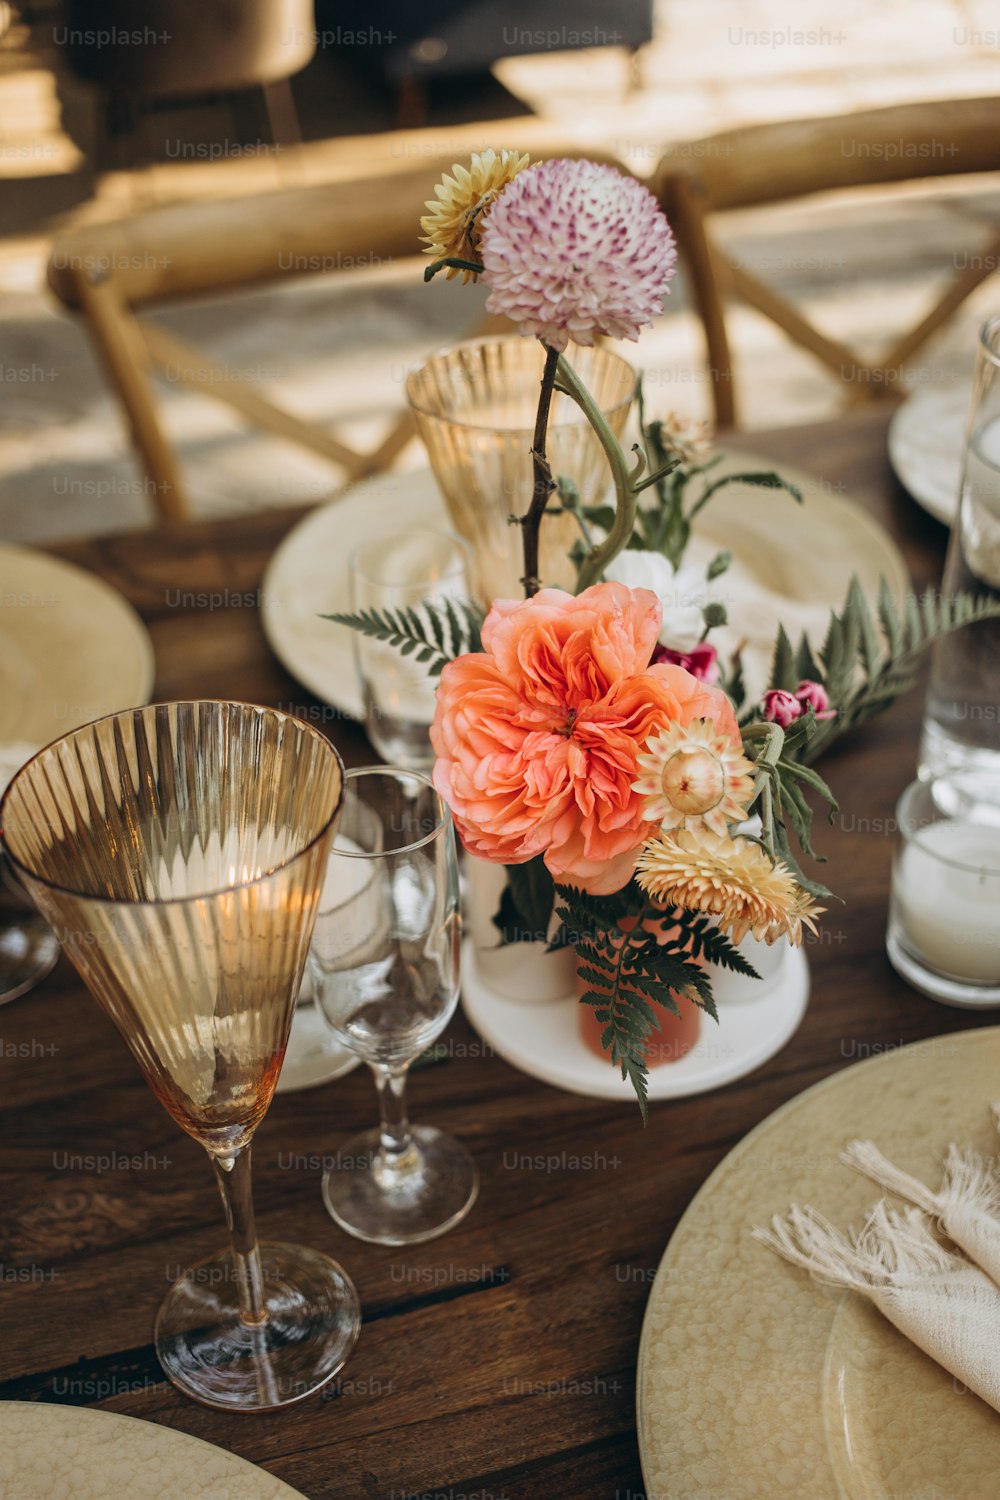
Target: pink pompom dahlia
point(572, 249)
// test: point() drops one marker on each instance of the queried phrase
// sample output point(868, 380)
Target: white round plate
point(792, 564)
point(542, 1038)
point(71, 648)
point(54, 1451)
point(926, 439)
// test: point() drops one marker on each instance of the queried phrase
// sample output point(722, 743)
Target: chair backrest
point(108, 271)
point(772, 163)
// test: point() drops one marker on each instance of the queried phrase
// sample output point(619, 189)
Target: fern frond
point(436, 633)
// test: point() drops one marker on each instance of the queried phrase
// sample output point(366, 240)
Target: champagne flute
point(385, 966)
point(178, 852)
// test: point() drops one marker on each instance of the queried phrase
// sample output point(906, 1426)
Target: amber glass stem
point(233, 1174)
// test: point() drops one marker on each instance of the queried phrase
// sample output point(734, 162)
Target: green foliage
point(526, 904)
point(435, 634)
point(627, 972)
point(867, 660)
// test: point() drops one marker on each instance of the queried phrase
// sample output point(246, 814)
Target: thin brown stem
point(531, 521)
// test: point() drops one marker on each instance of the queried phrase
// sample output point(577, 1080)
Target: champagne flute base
point(433, 1195)
point(313, 1320)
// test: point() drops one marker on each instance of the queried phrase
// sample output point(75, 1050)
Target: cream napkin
point(940, 1301)
point(967, 1206)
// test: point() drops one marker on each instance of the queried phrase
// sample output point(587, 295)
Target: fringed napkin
point(940, 1301)
point(967, 1205)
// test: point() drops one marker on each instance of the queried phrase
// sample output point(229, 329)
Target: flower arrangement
point(595, 743)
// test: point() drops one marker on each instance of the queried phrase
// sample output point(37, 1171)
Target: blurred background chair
point(141, 57)
point(772, 163)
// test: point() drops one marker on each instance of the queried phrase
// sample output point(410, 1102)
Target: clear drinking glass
point(474, 406)
point(402, 572)
point(179, 851)
point(385, 963)
point(960, 751)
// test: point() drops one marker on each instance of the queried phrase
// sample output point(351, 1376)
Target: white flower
point(683, 595)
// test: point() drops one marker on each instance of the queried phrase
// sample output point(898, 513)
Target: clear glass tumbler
point(474, 406)
point(960, 751)
point(385, 964)
point(402, 572)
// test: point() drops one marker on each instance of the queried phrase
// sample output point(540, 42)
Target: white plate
point(50, 1452)
point(71, 648)
point(792, 564)
point(926, 438)
point(543, 1039)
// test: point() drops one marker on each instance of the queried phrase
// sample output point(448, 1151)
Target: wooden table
point(498, 1361)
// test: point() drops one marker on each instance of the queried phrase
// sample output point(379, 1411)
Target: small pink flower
point(702, 661)
point(572, 250)
point(782, 708)
point(815, 696)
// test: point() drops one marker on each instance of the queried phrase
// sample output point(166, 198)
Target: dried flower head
point(573, 250)
point(461, 204)
point(732, 878)
point(691, 777)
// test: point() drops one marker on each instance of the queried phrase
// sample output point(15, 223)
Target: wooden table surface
point(498, 1361)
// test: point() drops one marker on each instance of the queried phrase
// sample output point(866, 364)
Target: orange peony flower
point(537, 737)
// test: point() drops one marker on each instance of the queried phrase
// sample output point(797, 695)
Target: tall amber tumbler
point(178, 852)
point(474, 406)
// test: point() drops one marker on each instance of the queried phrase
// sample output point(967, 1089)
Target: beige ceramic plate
point(48, 1452)
point(792, 564)
point(754, 1383)
point(71, 648)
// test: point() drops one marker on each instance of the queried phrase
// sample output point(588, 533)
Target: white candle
point(946, 888)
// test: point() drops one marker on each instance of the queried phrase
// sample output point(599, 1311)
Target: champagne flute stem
point(233, 1176)
point(397, 1151)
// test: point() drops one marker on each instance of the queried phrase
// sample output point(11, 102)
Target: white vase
point(527, 972)
point(729, 988)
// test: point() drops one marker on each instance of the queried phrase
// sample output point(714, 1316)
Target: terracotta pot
point(673, 1041)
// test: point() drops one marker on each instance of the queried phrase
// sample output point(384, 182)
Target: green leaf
point(533, 893)
point(768, 480)
point(437, 633)
point(783, 670)
point(720, 562)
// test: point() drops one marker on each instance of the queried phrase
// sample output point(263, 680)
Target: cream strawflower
point(462, 203)
point(692, 776)
point(732, 878)
point(573, 250)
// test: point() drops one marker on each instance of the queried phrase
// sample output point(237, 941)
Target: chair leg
point(282, 116)
point(123, 355)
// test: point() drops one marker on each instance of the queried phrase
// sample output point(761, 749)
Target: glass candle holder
point(961, 739)
point(944, 917)
point(474, 406)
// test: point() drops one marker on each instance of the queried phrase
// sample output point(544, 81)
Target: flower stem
point(597, 559)
point(531, 521)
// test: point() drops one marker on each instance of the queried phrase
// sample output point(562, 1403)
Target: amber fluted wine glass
point(179, 851)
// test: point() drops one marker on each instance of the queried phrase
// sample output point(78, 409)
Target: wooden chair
point(365, 210)
point(776, 162)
